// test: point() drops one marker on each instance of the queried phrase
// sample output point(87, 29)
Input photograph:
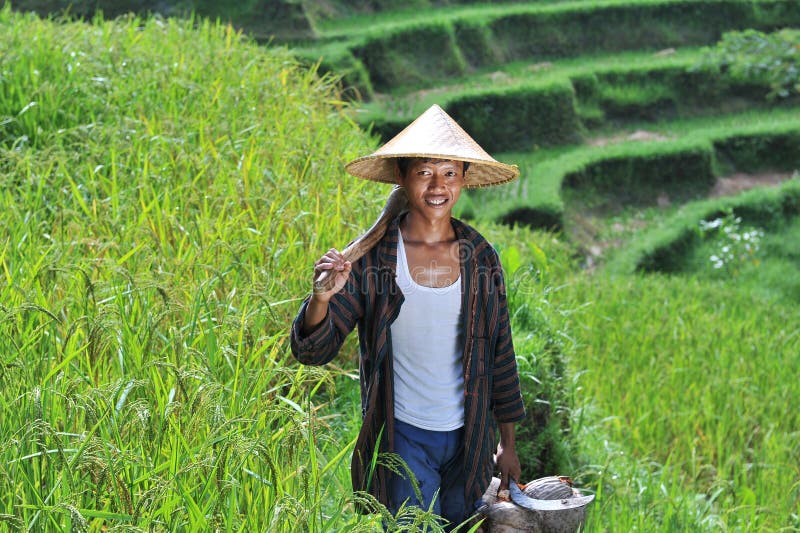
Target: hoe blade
point(523, 500)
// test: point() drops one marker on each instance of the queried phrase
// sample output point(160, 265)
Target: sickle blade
point(523, 500)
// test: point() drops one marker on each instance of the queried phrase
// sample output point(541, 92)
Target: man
point(437, 365)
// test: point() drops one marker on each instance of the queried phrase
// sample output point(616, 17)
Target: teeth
point(440, 201)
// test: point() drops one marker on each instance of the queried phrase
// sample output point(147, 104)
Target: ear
point(398, 176)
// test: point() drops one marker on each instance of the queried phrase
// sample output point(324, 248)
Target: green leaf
point(511, 259)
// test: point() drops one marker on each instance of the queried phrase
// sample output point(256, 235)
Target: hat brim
point(481, 173)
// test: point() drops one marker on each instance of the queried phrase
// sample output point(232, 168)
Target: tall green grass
point(165, 188)
point(696, 382)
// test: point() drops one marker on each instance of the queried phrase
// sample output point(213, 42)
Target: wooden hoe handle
point(395, 204)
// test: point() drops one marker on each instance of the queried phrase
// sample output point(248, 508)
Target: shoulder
point(380, 256)
point(478, 244)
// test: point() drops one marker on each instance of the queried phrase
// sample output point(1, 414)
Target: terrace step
point(383, 53)
point(679, 160)
point(344, 20)
point(525, 106)
point(668, 246)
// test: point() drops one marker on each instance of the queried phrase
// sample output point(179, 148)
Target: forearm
point(318, 331)
point(506, 457)
point(316, 345)
point(316, 310)
point(507, 435)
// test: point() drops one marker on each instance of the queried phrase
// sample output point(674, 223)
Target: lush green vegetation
point(163, 190)
point(385, 51)
point(607, 174)
point(166, 187)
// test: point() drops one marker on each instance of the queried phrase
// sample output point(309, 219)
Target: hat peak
point(434, 132)
point(436, 135)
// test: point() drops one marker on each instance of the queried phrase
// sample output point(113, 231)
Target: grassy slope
point(542, 172)
point(692, 379)
point(164, 193)
point(408, 102)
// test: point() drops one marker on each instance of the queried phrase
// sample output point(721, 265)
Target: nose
point(437, 180)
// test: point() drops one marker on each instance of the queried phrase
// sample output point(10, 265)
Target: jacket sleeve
point(323, 343)
point(506, 393)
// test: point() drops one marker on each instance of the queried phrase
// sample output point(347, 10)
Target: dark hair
point(404, 162)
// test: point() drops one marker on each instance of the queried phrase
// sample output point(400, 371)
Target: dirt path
point(739, 182)
point(595, 235)
point(725, 186)
point(638, 135)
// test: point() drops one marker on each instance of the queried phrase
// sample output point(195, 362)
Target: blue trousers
point(436, 460)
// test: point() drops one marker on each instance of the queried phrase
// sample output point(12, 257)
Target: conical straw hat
point(434, 134)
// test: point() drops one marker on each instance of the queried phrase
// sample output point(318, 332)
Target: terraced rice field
point(628, 143)
point(641, 113)
point(167, 184)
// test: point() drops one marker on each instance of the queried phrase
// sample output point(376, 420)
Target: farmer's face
point(433, 186)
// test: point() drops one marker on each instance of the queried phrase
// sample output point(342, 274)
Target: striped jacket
point(371, 300)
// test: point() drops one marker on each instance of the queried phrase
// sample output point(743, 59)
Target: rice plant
point(161, 183)
point(166, 186)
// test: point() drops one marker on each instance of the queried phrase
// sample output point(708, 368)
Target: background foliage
point(167, 184)
point(757, 58)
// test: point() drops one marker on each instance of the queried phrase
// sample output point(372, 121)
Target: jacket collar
point(472, 244)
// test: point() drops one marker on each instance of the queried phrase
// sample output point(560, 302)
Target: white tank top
point(427, 348)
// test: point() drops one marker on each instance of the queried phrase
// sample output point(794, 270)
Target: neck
point(417, 228)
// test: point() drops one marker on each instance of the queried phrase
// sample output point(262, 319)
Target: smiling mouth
point(436, 202)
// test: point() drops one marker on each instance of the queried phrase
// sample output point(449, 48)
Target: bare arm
point(506, 456)
point(326, 318)
point(318, 304)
